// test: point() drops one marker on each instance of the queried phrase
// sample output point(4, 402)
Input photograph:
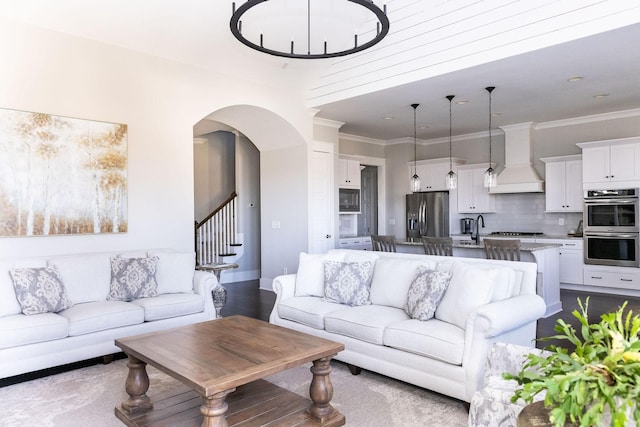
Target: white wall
point(160, 101)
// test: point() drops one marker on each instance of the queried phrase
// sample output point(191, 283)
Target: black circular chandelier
point(324, 49)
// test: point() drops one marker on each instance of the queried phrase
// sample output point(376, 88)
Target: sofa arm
point(503, 316)
point(284, 286)
point(203, 283)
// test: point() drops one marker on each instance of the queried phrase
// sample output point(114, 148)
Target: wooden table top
point(221, 354)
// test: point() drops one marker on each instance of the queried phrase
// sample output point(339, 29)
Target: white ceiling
point(529, 87)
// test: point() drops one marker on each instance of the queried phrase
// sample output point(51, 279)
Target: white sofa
point(88, 328)
point(486, 301)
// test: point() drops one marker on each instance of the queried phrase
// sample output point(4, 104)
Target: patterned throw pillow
point(133, 278)
point(425, 293)
point(39, 290)
point(348, 282)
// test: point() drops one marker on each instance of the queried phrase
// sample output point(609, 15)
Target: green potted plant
point(601, 376)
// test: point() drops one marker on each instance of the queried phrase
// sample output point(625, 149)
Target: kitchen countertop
point(527, 247)
point(541, 236)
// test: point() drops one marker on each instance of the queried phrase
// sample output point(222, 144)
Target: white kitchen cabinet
point(473, 197)
point(563, 187)
point(571, 259)
point(612, 277)
point(612, 161)
point(348, 173)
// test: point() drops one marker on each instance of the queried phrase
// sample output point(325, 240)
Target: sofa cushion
point(133, 278)
point(309, 311)
point(19, 329)
point(366, 323)
point(39, 290)
point(425, 293)
point(97, 316)
point(310, 275)
point(469, 288)
point(392, 278)
point(170, 305)
point(348, 282)
point(433, 338)
point(507, 280)
point(174, 272)
point(86, 277)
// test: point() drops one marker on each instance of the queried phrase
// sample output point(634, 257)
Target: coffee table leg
point(321, 390)
point(214, 409)
point(136, 386)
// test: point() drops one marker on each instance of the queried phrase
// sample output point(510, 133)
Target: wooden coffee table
point(221, 364)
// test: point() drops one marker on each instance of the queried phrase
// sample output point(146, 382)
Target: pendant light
point(451, 180)
point(415, 179)
point(490, 175)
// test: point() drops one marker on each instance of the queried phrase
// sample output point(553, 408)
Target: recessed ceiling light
point(575, 79)
point(389, 118)
point(601, 95)
point(424, 127)
point(462, 102)
point(496, 114)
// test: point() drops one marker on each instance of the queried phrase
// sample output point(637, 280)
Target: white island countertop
point(470, 244)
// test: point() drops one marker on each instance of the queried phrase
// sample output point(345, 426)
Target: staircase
point(216, 236)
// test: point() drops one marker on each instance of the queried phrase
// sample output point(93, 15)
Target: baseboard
point(232, 276)
point(266, 284)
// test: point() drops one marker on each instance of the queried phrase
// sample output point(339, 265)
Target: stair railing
point(216, 234)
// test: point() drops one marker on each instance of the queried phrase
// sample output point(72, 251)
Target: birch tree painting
point(60, 175)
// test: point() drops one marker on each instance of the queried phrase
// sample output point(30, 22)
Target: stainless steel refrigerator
point(428, 214)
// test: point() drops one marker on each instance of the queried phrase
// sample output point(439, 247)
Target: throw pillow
point(470, 287)
point(348, 282)
point(133, 278)
point(310, 275)
point(39, 290)
point(425, 293)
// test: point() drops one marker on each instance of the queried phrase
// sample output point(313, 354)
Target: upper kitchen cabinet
point(473, 197)
point(432, 173)
point(608, 162)
point(348, 173)
point(563, 176)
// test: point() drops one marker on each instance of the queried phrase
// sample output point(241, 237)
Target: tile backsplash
point(524, 212)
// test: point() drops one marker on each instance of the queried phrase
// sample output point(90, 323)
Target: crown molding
point(327, 122)
point(589, 119)
point(363, 139)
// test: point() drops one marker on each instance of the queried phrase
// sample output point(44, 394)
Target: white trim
point(363, 139)
point(327, 122)
point(589, 119)
point(232, 276)
point(266, 284)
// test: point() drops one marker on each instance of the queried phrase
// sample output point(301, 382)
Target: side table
point(219, 294)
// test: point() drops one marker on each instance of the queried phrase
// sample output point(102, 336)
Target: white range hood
point(518, 175)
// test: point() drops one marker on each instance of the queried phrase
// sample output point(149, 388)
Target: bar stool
point(505, 249)
point(382, 243)
point(442, 246)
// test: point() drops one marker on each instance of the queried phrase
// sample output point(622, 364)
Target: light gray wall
point(214, 171)
point(287, 206)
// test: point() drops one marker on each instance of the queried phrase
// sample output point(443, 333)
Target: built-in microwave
point(349, 200)
point(612, 211)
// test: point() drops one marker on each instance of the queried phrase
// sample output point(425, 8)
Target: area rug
point(87, 397)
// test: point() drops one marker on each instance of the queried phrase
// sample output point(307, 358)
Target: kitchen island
point(545, 255)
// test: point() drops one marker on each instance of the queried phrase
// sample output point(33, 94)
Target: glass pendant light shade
point(451, 180)
point(490, 178)
point(415, 179)
point(415, 183)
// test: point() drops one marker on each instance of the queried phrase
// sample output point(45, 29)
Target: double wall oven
point(612, 227)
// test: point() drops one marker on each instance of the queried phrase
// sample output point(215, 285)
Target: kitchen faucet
point(477, 238)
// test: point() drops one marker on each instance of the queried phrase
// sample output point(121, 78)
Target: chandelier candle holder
point(451, 180)
point(490, 179)
point(279, 27)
